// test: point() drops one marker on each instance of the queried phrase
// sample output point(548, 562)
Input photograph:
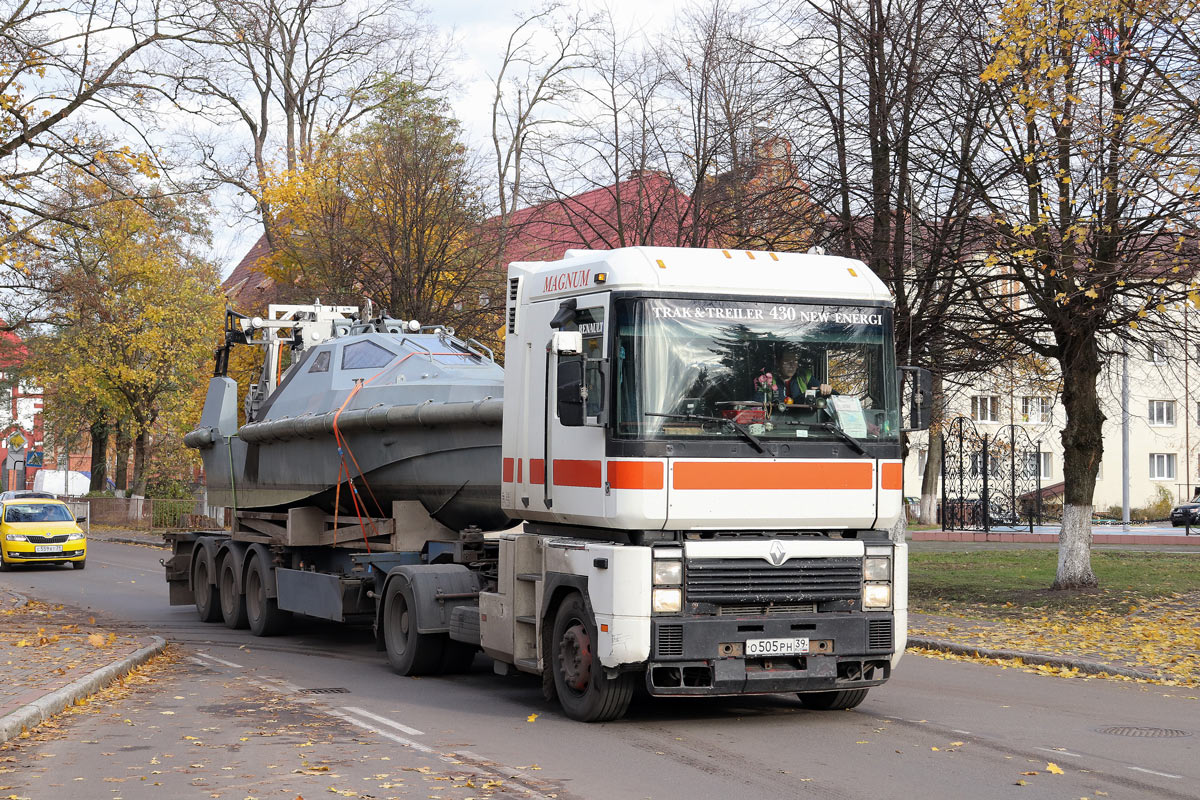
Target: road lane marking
point(386, 734)
point(1153, 772)
point(384, 720)
point(1058, 752)
point(458, 757)
point(221, 661)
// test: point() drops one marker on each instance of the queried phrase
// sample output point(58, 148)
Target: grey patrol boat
point(389, 408)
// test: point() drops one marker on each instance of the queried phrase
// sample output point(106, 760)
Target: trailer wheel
point(208, 603)
point(409, 651)
point(584, 691)
point(830, 701)
point(233, 602)
point(262, 612)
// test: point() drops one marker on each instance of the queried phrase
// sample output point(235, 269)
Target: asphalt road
point(939, 729)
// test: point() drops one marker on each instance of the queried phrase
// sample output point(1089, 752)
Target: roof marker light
point(750, 254)
point(660, 263)
point(601, 277)
point(726, 252)
point(774, 257)
point(853, 274)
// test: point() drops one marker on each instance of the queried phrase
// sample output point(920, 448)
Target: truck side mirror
point(921, 398)
point(571, 392)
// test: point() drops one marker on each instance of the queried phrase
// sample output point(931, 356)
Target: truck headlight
point(668, 573)
point(877, 568)
point(877, 595)
point(667, 601)
point(16, 537)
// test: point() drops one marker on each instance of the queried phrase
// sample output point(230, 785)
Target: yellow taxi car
point(40, 531)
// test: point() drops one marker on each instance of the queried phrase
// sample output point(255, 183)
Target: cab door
point(574, 468)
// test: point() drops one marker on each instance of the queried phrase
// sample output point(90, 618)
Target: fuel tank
point(389, 415)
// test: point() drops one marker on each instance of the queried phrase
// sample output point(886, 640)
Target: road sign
point(35, 458)
point(16, 441)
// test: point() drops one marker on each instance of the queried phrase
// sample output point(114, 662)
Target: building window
point(1038, 467)
point(1162, 412)
point(1035, 410)
point(1158, 353)
point(985, 408)
point(1162, 466)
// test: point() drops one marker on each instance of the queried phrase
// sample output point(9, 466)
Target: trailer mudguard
point(437, 590)
point(258, 550)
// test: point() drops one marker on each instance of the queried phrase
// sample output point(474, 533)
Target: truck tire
point(584, 691)
point(457, 656)
point(836, 700)
point(262, 612)
point(409, 651)
point(233, 602)
point(208, 602)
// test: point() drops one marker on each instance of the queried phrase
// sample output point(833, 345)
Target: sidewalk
point(52, 655)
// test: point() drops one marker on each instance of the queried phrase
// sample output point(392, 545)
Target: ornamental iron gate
point(990, 481)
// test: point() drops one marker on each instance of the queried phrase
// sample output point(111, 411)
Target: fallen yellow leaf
point(1054, 769)
point(531, 718)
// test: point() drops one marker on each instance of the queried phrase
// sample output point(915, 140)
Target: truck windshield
point(690, 368)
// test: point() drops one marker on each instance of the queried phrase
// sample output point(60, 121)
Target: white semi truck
point(703, 451)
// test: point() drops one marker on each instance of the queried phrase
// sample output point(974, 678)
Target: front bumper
point(24, 553)
point(701, 655)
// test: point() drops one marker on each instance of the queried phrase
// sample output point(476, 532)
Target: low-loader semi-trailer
point(683, 478)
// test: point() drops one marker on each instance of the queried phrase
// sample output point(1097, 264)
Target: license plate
point(47, 548)
point(777, 647)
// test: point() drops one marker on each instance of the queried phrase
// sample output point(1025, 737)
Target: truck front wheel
point(830, 701)
point(409, 651)
point(262, 612)
point(208, 603)
point(233, 602)
point(584, 691)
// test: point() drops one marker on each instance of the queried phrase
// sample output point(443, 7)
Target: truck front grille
point(779, 608)
point(752, 581)
point(669, 641)
point(879, 634)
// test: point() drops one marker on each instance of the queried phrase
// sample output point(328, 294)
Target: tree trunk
point(139, 464)
point(99, 458)
point(1083, 446)
point(121, 471)
point(929, 481)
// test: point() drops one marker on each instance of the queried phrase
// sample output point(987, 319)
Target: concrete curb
point(1089, 667)
point(121, 540)
point(31, 714)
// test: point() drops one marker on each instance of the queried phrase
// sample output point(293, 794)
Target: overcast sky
point(481, 30)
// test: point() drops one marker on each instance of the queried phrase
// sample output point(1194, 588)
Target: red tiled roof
point(248, 285)
point(652, 212)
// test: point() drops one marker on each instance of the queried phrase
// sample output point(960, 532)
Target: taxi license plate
point(47, 548)
point(777, 647)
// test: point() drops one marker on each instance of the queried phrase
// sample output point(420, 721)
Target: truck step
point(531, 577)
point(526, 664)
point(528, 620)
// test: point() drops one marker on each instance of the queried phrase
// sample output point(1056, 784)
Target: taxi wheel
point(79, 564)
point(4, 565)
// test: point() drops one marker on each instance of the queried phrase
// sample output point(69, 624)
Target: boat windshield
point(726, 369)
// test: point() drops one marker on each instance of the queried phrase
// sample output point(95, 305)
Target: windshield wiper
point(841, 434)
point(737, 426)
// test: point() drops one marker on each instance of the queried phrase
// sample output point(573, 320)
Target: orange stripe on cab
point(537, 470)
point(891, 476)
point(635, 474)
point(577, 473)
point(508, 470)
point(710, 475)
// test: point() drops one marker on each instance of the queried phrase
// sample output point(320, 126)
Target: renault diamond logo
point(776, 555)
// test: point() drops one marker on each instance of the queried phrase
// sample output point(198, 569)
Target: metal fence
point(146, 513)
